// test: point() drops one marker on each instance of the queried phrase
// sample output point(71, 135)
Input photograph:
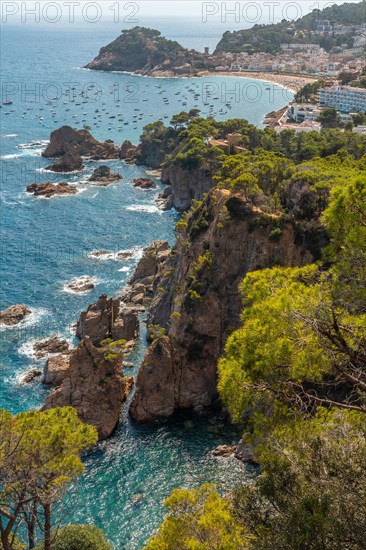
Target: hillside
point(312, 28)
point(144, 51)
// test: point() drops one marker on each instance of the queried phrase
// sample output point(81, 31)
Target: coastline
point(291, 82)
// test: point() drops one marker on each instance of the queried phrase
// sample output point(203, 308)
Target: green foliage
point(39, 456)
point(199, 520)
point(79, 537)
point(346, 222)
point(329, 118)
point(311, 494)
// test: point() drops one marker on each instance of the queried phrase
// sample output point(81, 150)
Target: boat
point(7, 102)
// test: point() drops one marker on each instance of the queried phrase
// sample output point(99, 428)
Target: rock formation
point(94, 384)
point(49, 189)
point(103, 175)
point(69, 162)
point(144, 183)
point(127, 150)
point(186, 185)
point(108, 318)
point(57, 368)
point(50, 345)
point(79, 142)
point(30, 376)
point(198, 302)
point(80, 284)
point(14, 314)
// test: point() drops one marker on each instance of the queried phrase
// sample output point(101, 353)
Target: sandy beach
point(291, 82)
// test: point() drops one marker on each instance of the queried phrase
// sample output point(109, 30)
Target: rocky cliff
point(198, 303)
point(91, 381)
point(186, 185)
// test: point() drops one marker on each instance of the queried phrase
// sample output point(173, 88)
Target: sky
point(129, 13)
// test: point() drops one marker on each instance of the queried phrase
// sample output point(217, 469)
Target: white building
point(345, 99)
point(359, 130)
point(299, 112)
point(307, 126)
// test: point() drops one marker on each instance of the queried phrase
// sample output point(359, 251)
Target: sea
point(47, 243)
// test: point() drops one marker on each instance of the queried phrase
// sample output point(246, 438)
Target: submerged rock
point(49, 189)
point(224, 451)
point(81, 284)
point(14, 314)
point(95, 386)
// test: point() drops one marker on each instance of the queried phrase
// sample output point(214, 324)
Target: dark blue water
point(45, 243)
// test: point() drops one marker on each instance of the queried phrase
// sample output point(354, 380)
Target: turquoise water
point(44, 244)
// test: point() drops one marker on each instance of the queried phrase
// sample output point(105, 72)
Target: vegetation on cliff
point(143, 50)
point(293, 374)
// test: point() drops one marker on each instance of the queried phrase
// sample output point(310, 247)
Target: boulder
point(49, 190)
point(56, 369)
point(80, 142)
point(14, 314)
point(30, 376)
point(95, 386)
point(224, 451)
point(81, 284)
point(51, 345)
point(108, 318)
point(103, 174)
point(144, 183)
point(244, 451)
point(69, 162)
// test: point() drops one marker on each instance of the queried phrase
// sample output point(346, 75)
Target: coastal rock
point(14, 314)
point(107, 318)
point(245, 452)
point(223, 451)
point(165, 199)
point(155, 378)
point(127, 150)
point(186, 185)
point(198, 302)
point(144, 183)
point(69, 162)
point(81, 284)
point(56, 369)
point(51, 345)
point(49, 190)
point(103, 174)
point(79, 142)
point(30, 376)
point(151, 263)
point(95, 386)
